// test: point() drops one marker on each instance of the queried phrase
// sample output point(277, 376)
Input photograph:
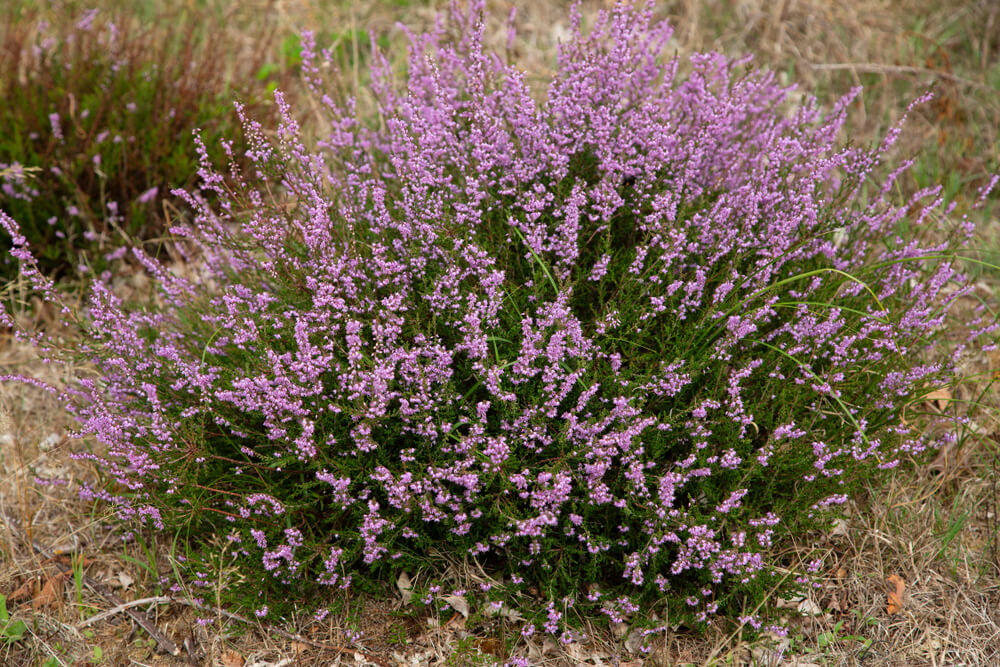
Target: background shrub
point(98, 114)
point(615, 345)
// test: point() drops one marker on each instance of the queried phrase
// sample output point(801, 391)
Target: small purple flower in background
point(87, 20)
point(148, 196)
point(54, 122)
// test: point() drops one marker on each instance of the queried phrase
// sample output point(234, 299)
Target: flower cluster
point(614, 343)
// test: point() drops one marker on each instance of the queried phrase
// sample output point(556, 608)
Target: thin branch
point(122, 607)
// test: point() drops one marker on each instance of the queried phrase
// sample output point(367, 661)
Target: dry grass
point(937, 530)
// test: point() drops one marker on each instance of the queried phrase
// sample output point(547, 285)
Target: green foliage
point(11, 631)
point(98, 115)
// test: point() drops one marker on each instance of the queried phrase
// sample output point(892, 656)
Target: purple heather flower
point(561, 329)
point(56, 125)
point(147, 196)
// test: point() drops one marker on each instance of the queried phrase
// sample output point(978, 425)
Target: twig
point(142, 619)
point(876, 68)
point(122, 607)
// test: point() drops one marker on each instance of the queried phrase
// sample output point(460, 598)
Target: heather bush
point(616, 346)
point(97, 120)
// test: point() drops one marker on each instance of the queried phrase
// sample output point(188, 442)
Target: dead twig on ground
point(124, 606)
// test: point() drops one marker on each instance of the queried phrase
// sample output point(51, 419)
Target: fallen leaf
point(68, 559)
point(838, 603)
point(231, 658)
point(581, 655)
point(511, 614)
point(895, 604)
point(28, 589)
point(535, 655)
point(122, 581)
point(459, 604)
point(809, 608)
point(634, 641)
point(299, 647)
point(840, 528)
point(51, 593)
point(506, 611)
point(405, 587)
point(490, 645)
point(941, 398)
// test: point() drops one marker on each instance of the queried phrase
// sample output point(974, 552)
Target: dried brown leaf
point(405, 586)
point(895, 604)
point(50, 595)
point(459, 604)
point(940, 398)
point(122, 580)
point(490, 645)
point(26, 590)
point(67, 560)
point(231, 658)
